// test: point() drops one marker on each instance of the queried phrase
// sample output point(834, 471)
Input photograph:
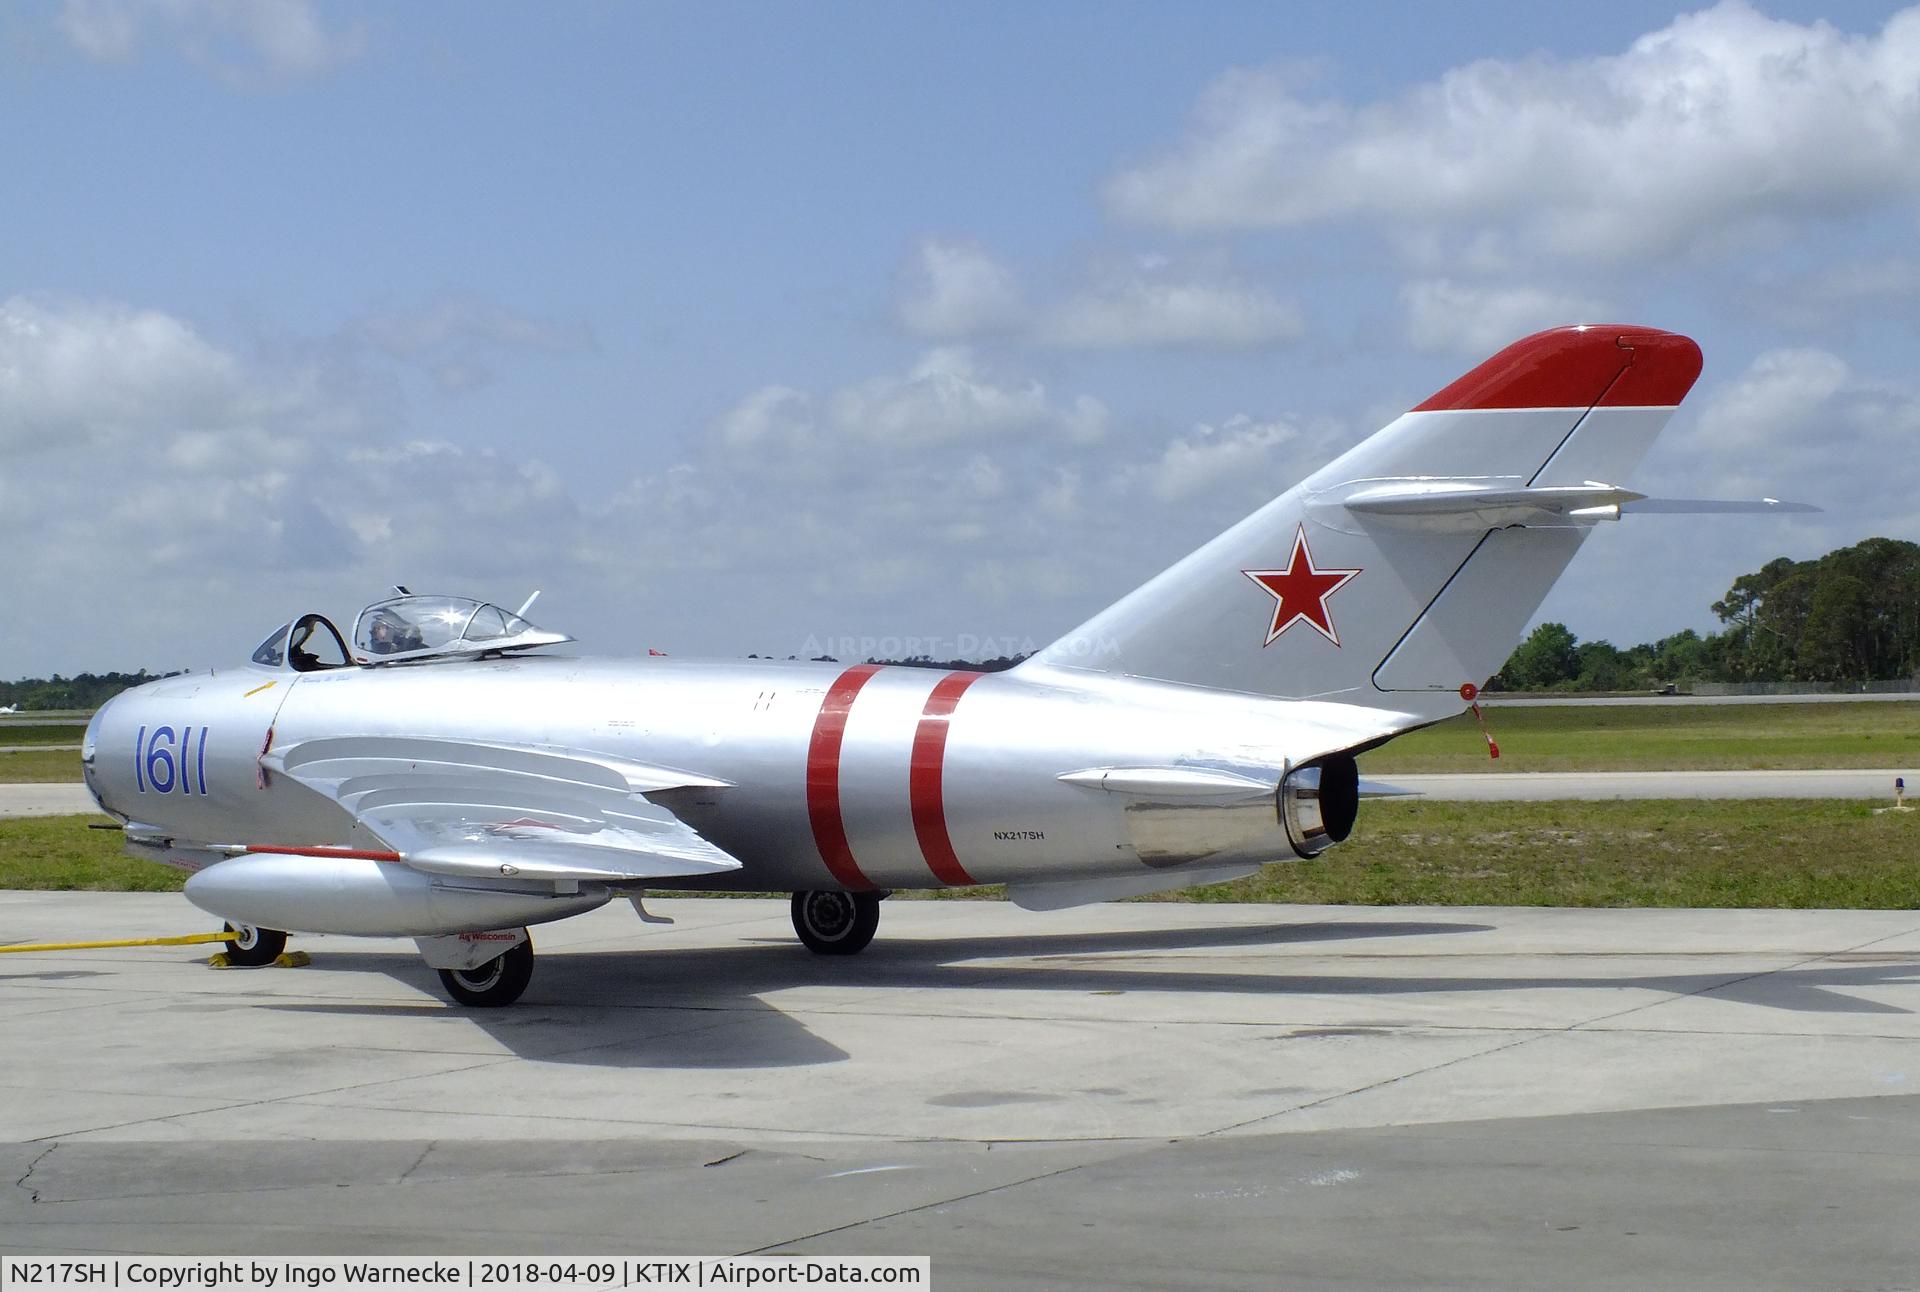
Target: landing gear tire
point(495, 983)
point(254, 947)
point(832, 923)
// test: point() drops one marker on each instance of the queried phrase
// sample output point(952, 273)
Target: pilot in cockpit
point(390, 635)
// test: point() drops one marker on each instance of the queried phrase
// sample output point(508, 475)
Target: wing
point(484, 810)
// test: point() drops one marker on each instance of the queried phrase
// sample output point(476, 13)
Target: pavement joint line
point(33, 1195)
point(218, 1228)
point(803, 1133)
point(297, 1186)
point(1413, 1130)
point(265, 1103)
point(417, 1161)
point(1736, 981)
point(801, 1136)
point(1539, 1034)
point(925, 1206)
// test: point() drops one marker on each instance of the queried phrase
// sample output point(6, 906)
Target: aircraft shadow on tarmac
point(661, 1006)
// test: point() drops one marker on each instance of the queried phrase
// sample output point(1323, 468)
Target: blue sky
point(767, 327)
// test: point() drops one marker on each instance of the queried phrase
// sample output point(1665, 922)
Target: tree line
point(1848, 617)
point(84, 691)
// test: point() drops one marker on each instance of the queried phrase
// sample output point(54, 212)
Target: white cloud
point(1236, 464)
point(453, 512)
point(1723, 121)
point(238, 39)
point(1773, 431)
point(1891, 279)
point(75, 373)
point(770, 416)
point(1445, 316)
point(946, 397)
point(1836, 298)
point(951, 289)
point(163, 479)
point(157, 477)
point(954, 290)
point(457, 340)
point(1209, 455)
point(1147, 306)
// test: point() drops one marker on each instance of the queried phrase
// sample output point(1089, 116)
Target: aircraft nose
point(89, 759)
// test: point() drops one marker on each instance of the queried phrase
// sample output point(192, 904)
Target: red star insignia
point(1300, 591)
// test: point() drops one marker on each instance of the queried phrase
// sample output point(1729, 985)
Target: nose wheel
point(253, 947)
point(833, 923)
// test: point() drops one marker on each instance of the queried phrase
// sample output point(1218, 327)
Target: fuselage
point(835, 776)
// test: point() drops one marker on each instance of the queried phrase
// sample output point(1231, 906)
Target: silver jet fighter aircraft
point(434, 780)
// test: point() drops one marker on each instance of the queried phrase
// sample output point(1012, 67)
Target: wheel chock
point(292, 959)
point(218, 960)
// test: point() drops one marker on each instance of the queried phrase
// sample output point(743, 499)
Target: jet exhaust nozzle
point(1318, 803)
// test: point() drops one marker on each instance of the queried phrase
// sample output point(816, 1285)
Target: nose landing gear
point(253, 947)
point(833, 923)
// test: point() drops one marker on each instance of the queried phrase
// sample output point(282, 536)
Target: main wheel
point(254, 947)
point(495, 983)
point(833, 923)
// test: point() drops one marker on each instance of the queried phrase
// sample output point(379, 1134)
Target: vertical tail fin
point(1410, 564)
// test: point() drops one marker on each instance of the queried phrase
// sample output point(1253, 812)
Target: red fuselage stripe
point(823, 777)
point(351, 854)
point(926, 779)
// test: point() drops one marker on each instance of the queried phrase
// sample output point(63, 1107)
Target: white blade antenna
point(528, 604)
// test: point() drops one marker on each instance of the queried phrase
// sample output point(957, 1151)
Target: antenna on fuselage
point(528, 604)
point(403, 589)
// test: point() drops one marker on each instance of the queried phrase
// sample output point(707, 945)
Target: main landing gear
point(253, 947)
point(496, 983)
point(833, 923)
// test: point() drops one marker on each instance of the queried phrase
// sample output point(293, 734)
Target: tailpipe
point(1318, 803)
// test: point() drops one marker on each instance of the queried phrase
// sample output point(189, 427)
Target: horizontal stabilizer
point(1183, 783)
point(1457, 497)
point(1713, 506)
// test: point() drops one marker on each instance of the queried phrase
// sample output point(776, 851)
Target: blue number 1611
point(166, 763)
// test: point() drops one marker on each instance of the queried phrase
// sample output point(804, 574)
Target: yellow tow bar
point(184, 940)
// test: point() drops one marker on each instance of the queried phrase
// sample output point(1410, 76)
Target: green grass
point(60, 852)
point(39, 766)
point(1764, 853)
point(1683, 737)
point(40, 733)
point(1755, 853)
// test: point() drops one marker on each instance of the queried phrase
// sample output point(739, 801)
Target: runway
point(1137, 1095)
point(58, 799)
point(1669, 701)
point(1511, 787)
point(1486, 787)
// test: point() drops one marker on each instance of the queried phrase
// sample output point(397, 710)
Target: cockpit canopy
point(307, 645)
point(424, 627)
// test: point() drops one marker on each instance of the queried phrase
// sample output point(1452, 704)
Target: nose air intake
point(1318, 804)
